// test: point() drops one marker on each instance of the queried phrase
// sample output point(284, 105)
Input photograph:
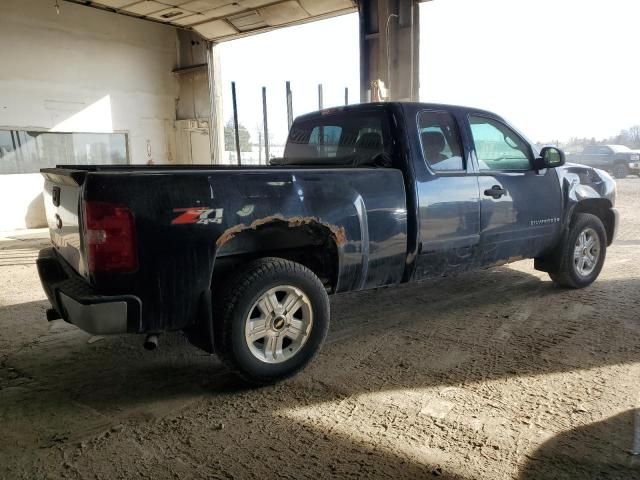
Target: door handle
point(496, 192)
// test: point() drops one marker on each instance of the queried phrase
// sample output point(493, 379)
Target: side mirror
point(550, 157)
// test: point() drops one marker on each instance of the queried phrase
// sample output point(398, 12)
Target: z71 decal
point(202, 216)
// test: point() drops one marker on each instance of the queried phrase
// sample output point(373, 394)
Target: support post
point(216, 124)
point(389, 49)
point(319, 96)
point(266, 125)
point(235, 121)
point(346, 96)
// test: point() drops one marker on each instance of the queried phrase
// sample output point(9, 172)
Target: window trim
point(504, 124)
point(465, 164)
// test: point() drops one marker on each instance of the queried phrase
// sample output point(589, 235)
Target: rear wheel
point(274, 318)
point(620, 170)
point(583, 253)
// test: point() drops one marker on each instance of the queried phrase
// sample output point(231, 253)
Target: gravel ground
point(490, 375)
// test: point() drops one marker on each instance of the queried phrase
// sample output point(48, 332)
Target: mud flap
point(201, 335)
point(550, 262)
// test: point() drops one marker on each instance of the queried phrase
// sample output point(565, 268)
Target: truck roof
point(393, 105)
point(614, 147)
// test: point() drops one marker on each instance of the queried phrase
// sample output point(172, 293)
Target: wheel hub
point(587, 252)
point(278, 324)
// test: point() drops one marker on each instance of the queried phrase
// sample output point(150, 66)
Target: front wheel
point(583, 253)
point(620, 170)
point(274, 319)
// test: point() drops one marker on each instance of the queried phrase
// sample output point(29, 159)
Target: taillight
point(109, 237)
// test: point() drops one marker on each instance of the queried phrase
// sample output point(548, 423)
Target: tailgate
point(62, 193)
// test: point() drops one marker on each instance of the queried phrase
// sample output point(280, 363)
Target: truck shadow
point(59, 385)
point(601, 450)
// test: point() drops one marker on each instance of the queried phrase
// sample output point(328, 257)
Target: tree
point(230, 138)
point(634, 136)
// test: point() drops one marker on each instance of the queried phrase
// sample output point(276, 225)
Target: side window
point(497, 146)
point(603, 151)
point(440, 141)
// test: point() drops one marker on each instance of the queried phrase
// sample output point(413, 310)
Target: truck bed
point(361, 210)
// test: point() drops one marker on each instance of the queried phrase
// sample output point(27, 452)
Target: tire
point(620, 170)
point(569, 273)
point(284, 302)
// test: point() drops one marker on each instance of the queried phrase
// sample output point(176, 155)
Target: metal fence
point(260, 153)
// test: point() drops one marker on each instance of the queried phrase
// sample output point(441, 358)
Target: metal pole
point(346, 95)
point(289, 104)
point(266, 125)
point(235, 120)
point(322, 147)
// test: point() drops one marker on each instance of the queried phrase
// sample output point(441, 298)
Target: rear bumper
point(79, 304)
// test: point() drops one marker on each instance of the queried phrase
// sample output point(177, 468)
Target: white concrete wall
point(83, 70)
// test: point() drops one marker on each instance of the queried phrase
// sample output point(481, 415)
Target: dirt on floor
point(489, 375)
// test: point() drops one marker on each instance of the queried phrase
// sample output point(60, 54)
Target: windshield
point(342, 139)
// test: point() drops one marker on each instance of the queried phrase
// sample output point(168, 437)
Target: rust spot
point(338, 233)
point(499, 263)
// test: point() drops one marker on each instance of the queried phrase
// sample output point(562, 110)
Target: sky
point(555, 69)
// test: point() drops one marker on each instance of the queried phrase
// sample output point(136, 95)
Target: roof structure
point(221, 20)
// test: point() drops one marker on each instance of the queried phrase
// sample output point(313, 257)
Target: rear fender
point(306, 240)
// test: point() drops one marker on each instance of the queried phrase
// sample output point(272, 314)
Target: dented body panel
point(362, 227)
point(362, 210)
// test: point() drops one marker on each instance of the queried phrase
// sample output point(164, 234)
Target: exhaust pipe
point(151, 342)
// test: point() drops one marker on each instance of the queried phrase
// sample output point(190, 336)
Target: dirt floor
point(490, 375)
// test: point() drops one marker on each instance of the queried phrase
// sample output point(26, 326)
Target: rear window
point(342, 139)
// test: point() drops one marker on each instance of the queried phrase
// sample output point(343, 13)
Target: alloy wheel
point(279, 324)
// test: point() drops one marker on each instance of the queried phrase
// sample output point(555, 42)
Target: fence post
point(235, 120)
point(266, 125)
point(289, 104)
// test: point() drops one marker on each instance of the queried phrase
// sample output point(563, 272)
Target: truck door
point(520, 210)
point(448, 198)
point(598, 156)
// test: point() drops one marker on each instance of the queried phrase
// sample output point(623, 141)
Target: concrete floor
point(491, 375)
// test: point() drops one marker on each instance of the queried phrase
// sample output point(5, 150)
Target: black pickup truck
point(243, 259)
point(619, 160)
